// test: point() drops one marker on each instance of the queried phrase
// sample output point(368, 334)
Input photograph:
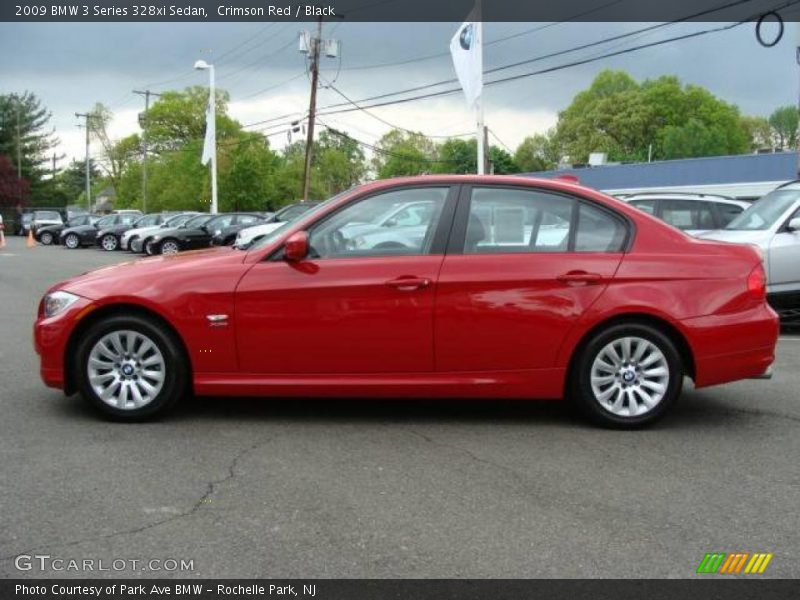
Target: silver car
point(773, 224)
point(693, 213)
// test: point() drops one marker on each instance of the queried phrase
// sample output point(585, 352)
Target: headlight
point(358, 242)
point(58, 302)
point(217, 231)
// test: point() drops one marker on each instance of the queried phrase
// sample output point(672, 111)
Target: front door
point(362, 303)
point(523, 265)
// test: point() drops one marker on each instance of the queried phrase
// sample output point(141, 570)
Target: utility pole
point(316, 42)
point(312, 45)
point(87, 117)
point(143, 125)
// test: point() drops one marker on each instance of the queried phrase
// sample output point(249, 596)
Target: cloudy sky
point(73, 66)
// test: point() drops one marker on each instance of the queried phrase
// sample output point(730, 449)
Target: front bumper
point(50, 338)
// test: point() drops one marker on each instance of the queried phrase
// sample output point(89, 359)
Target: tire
point(169, 246)
point(130, 368)
point(72, 241)
point(109, 242)
point(148, 248)
point(626, 394)
point(46, 238)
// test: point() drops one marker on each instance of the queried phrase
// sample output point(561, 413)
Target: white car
point(248, 235)
point(693, 213)
point(133, 238)
point(773, 224)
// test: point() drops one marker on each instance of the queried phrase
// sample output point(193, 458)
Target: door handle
point(580, 277)
point(408, 284)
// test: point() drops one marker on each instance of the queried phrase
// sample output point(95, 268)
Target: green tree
point(759, 131)
point(784, 122)
point(25, 126)
point(538, 152)
point(400, 153)
point(625, 119)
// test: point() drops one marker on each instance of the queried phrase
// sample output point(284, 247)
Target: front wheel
point(109, 242)
point(168, 247)
point(627, 376)
point(72, 241)
point(46, 238)
point(129, 368)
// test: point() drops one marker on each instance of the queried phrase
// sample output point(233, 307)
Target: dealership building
point(746, 176)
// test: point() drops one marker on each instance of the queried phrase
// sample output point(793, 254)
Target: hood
point(141, 230)
point(738, 236)
point(115, 228)
point(125, 279)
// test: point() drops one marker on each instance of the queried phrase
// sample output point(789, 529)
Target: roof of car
point(684, 196)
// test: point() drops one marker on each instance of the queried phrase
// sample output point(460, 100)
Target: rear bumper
point(733, 346)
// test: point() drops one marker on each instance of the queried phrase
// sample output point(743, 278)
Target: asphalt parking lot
point(297, 489)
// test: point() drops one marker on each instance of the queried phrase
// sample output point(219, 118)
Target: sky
point(73, 66)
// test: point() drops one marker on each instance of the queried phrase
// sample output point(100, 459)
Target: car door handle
point(580, 277)
point(408, 284)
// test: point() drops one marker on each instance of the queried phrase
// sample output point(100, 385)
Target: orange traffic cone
point(30, 242)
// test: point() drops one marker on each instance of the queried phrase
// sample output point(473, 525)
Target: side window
point(247, 220)
point(222, 222)
point(598, 231)
point(727, 213)
point(366, 228)
point(648, 206)
point(504, 220)
point(687, 214)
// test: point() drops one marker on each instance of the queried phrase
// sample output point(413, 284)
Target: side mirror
point(794, 225)
point(296, 247)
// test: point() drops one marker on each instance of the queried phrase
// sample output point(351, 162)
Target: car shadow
point(695, 409)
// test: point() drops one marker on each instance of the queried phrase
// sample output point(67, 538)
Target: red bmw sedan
point(435, 286)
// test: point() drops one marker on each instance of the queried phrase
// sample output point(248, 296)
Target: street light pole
point(87, 117)
point(143, 125)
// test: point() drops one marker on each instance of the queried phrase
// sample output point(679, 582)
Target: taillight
point(757, 282)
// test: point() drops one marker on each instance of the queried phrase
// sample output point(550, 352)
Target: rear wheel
point(46, 238)
point(129, 368)
point(148, 248)
point(627, 376)
point(72, 241)
point(109, 242)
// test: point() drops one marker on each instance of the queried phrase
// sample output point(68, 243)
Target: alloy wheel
point(46, 238)
point(169, 247)
point(109, 243)
point(72, 241)
point(630, 376)
point(126, 369)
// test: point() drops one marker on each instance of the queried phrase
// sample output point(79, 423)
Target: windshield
point(196, 221)
point(263, 241)
point(48, 215)
point(105, 221)
point(178, 220)
point(765, 212)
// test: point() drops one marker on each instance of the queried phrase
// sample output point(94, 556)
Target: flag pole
point(213, 103)
point(479, 101)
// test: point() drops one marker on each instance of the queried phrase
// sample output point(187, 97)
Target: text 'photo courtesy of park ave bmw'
point(400, 299)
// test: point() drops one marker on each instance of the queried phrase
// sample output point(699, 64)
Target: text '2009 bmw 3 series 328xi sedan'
point(440, 286)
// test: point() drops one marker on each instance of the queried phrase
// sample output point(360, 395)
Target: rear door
point(522, 266)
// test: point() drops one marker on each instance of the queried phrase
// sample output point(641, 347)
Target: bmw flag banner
point(465, 47)
point(211, 136)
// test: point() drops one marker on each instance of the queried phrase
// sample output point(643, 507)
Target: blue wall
point(744, 168)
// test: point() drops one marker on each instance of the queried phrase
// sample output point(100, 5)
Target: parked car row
point(162, 233)
point(772, 223)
